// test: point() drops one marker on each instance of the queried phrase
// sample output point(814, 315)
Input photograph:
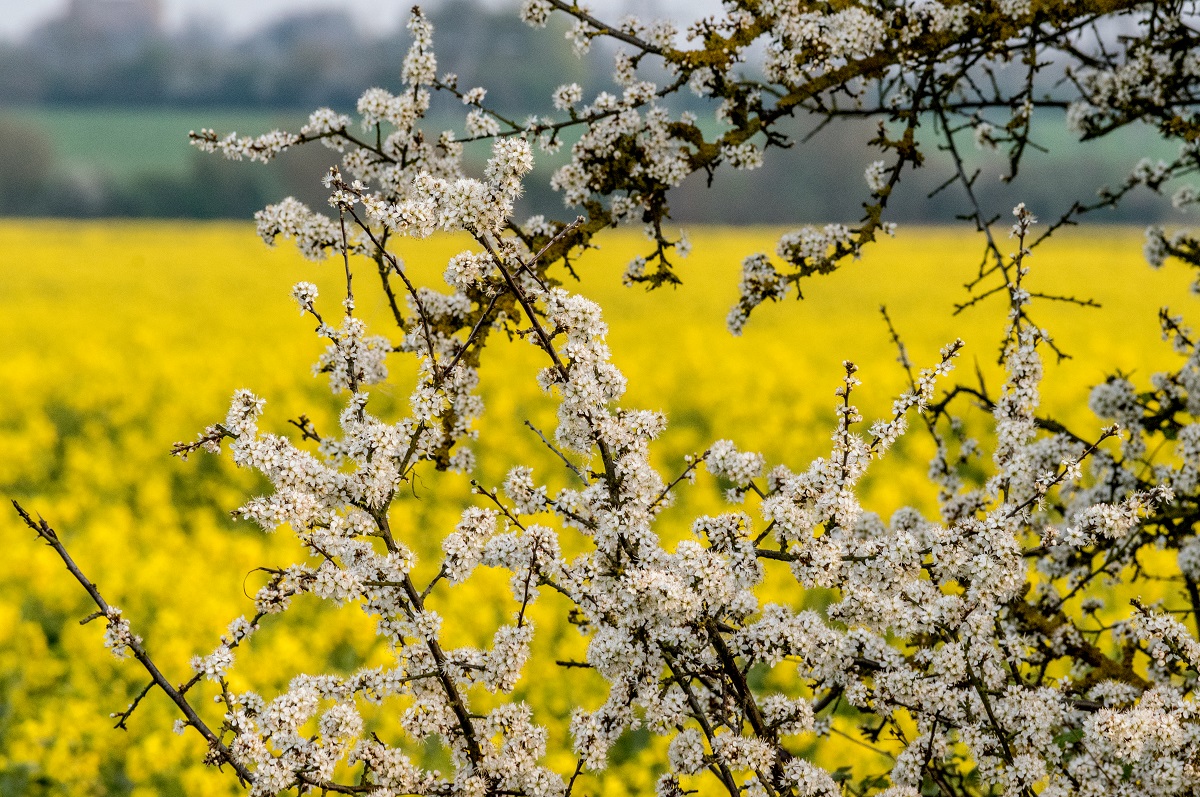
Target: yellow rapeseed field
point(119, 339)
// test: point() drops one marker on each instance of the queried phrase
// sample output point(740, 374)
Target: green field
point(128, 142)
point(116, 148)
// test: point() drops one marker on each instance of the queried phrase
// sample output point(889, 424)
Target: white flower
point(745, 156)
point(304, 293)
point(1155, 250)
point(687, 752)
point(567, 95)
point(214, 666)
point(877, 177)
point(353, 357)
point(726, 461)
point(536, 12)
point(117, 636)
point(481, 124)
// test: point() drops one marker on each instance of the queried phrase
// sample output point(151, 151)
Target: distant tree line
point(303, 60)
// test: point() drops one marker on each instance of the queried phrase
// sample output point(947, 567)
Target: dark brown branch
point(51, 538)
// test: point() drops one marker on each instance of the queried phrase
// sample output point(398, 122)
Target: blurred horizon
point(97, 98)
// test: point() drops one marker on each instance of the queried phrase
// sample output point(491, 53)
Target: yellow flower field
point(120, 339)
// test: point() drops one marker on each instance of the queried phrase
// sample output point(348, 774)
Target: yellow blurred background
point(122, 338)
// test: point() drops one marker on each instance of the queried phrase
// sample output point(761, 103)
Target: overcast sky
point(18, 17)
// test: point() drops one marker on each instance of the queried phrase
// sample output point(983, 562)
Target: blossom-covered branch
point(977, 648)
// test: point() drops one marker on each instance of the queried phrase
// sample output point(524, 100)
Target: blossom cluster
point(938, 622)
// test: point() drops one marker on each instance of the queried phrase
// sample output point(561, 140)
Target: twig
point(307, 432)
point(574, 468)
point(218, 748)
